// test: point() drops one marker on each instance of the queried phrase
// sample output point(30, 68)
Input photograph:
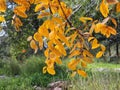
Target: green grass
point(103, 65)
point(29, 74)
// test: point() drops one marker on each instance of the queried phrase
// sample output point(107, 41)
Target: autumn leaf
point(44, 14)
point(104, 8)
point(95, 44)
point(98, 27)
point(73, 74)
point(58, 60)
point(103, 47)
point(87, 53)
point(83, 64)
point(118, 7)
point(87, 59)
point(82, 73)
point(112, 1)
point(40, 7)
point(73, 64)
point(29, 38)
point(114, 22)
point(2, 19)
point(99, 54)
point(33, 46)
point(44, 69)
point(20, 11)
point(84, 19)
point(90, 38)
point(74, 53)
point(51, 71)
point(3, 5)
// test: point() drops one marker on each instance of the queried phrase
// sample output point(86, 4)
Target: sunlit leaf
point(3, 5)
point(58, 60)
point(82, 73)
point(95, 44)
point(2, 19)
point(73, 64)
point(63, 38)
point(90, 38)
point(103, 47)
point(112, 1)
point(44, 14)
point(33, 46)
point(99, 54)
point(104, 8)
point(114, 22)
point(83, 64)
point(87, 53)
point(118, 7)
point(87, 59)
point(51, 71)
point(73, 74)
point(44, 69)
point(84, 19)
point(74, 53)
point(29, 38)
point(98, 27)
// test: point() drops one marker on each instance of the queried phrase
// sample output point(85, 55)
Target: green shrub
point(12, 67)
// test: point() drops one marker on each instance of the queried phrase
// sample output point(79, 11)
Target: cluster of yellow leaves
point(54, 6)
point(2, 9)
point(20, 10)
point(55, 31)
point(104, 6)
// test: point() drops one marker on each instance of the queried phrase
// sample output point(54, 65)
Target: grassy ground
point(26, 75)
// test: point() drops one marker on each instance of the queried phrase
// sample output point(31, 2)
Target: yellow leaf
point(60, 47)
point(46, 52)
point(58, 20)
point(20, 11)
point(112, 1)
point(50, 63)
point(73, 64)
point(41, 6)
point(99, 27)
point(82, 73)
point(95, 44)
point(90, 38)
point(74, 53)
point(43, 31)
point(99, 54)
point(87, 59)
point(84, 19)
point(3, 5)
point(87, 53)
point(104, 8)
point(44, 69)
point(111, 30)
point(58, 60)
point(63, 38)
point(44, 14)
point(33, 46)
point(53, 49)
point(103, 47)
point(83, 64)
point(2, 19)
point(73, 74)
point(17, 20)
point(114, 22)
point(31, 1)
point(52, 34)
point(118, 7)
point(29, 38)
point(51, 71)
